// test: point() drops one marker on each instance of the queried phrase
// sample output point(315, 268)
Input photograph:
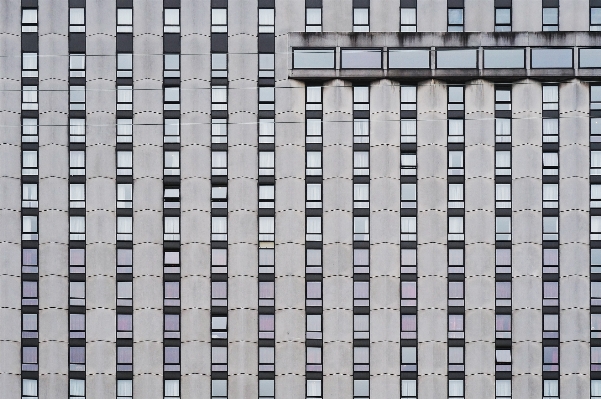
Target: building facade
point(300, 199)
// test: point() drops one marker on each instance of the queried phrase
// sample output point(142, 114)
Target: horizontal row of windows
point(444, 58)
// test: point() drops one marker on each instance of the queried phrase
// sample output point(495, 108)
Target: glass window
point(313, 58)
point(361, 20)
point(361, 58)
point(551, 58)
point(455, 20)
point(467, 58)
point(408, 19)
point(408, 59)
point(313, 20)
point(504, 58)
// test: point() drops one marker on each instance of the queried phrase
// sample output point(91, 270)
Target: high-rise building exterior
point(301, 199)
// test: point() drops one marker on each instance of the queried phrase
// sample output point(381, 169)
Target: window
point(77, 389)
point(503, 389)
point(550, 358)
point(408, 260)
point(266, 65)
point(456, 388)
point(266, 20)
point(30, 388)
point(550, 389)
point(29, 260)
point(124, 228)
point(124, 19)
point(361, 98)
point(313, 389)
point(551, 163)
point(171, 20)
point(408, 293)
point(30, 358)
point(408, 228)
point(124, 325)
point(314, 327)
point(551, 195)
point(124, 65)
point(30, 325)
point(219, 358)
point(172, 326)
point(171, 262)
point(456, 193)
point(456, 326)
point(124, 293)
point(313, 228)
point(361, 359)
point(29, 130)
point(408, 389)
point(171, 228)
point(124, 130)
point(503, 359)
point(77, 293)
point(456, 293)
point(30, 97)
point(595, 325)
point(219, 130)
point(29, 20)
point(360, 19)
point(266, 228)
point(266, 326)
point(551, 18)
point(219, 20)
point(361, 326)
point(503, 260)
point(30, 228)
point(77, 130)
point(172, 297)
point(77, 20)
point(218, 64)
point(219, 327)
point(171, 389)
point(314, 98)
point(30, 195)
point(408, 326)
point(313, 19)
point(408, 103)
point(361, 163)
point(550, 326)
point(267, 194)
point(408, 16)
point(503, 19)
point(361, 260)
point(124, 163)
point(408, 195)
point(77, 163)
point(266, 389)
point(361, 228)
point(551, 260)
point(456, 261)
point(124, 195)
point(172, 358)
point(77, 260)
point(456, 358)
point(503, 293)
point(314, 359)
point(219, 228)
point(171, 163)
point(219, 98)
point(267, 293)
point(550, 228)
point(172, 99)
point(30, 65)
point(77, 358)
point(503, 163)
point(503, 326)
point(218, 389)
point(30, 293)
point(124, 389)
point(595, 25)
point(124, 97)
point(266, 358)
point(550, 293)
point(361, 293)
point(77, 227)
point(455, 163)
point(266, 98)
point(503, 228)
point(314, 163)
point(550, 97)
point(124, 260)
point(503, 195)
point(455, 20)
point(313, 259)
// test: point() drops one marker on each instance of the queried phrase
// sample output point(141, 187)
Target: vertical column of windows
point(77, 200)
point(408, 243)
point(361, 209)
point(361, 15)
point(266, 238)
point(171, 200)
point(550, 15)
point(502, 15)
point(455, 15)
point(124, 189)
point(29, 204)
point(219, 199)
point(314, 242)
point(595, 239)
point(503, 243)
point(408, 15)
point(550, 255)
point(456, 242)
point(313, 15)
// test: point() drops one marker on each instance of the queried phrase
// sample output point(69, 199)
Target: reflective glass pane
point(314, 58)
point(408, 59)
point(457, 58)
point(361, 58)
point(504, 58)
point(551, 58)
